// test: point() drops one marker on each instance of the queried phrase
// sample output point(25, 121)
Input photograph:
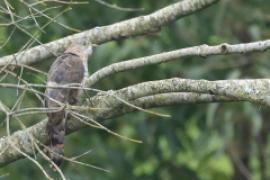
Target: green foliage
point(199, 140)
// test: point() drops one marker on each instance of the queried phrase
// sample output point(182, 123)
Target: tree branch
point(255, 91)
point(132, 27)
point(147, 94)
point(203, 50)
point(171, 99)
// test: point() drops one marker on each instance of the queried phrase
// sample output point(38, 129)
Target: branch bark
point(147, 94)
point(132, 27)
point(203, 51)
point(254, 91)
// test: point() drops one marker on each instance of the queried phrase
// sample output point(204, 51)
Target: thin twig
point(115, 6)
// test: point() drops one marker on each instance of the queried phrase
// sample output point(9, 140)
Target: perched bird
point(71, 67)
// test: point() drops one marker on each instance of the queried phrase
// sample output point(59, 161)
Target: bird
point(70, 67)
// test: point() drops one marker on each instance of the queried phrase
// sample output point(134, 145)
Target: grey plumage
point(68, 68)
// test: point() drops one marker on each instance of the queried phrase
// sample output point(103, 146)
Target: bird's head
point(80, 50)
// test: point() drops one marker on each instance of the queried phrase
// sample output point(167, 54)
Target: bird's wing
point(67, 68)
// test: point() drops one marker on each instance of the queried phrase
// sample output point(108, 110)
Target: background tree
point(199, 141)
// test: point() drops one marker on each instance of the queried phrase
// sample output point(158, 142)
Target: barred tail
point(57, 134)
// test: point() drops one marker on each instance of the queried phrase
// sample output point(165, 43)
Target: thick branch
point(203, 50)
point(171, 99)
point(133, 27)
point(23, 142)
point(148, 95)
point(176, 98)
point(255, 91)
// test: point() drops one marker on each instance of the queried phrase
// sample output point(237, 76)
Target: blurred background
point(200, 141)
